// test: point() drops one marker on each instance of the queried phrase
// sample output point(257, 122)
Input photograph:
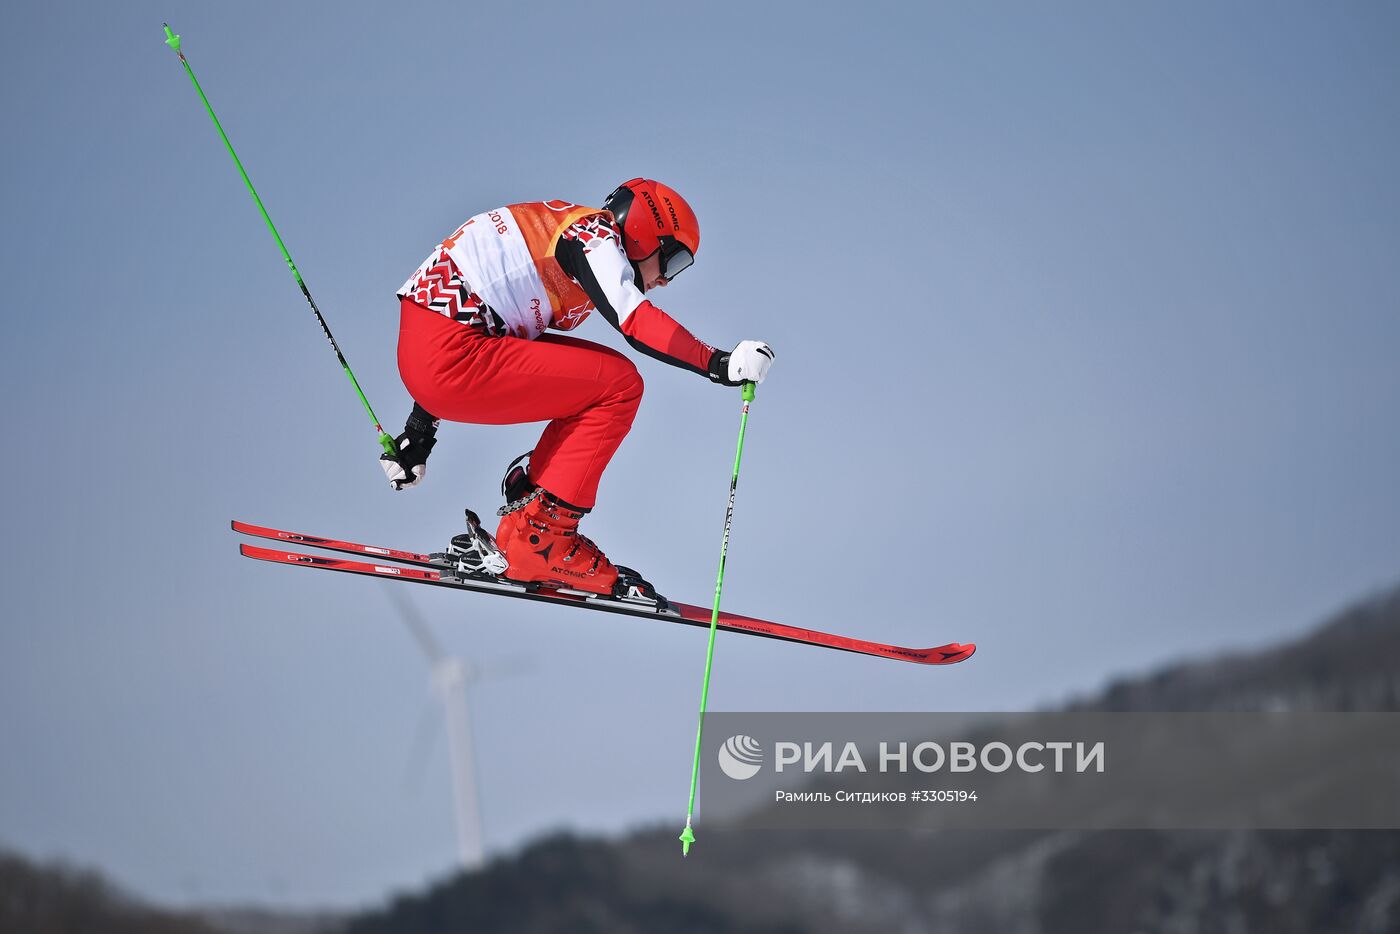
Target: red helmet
point(652, 217)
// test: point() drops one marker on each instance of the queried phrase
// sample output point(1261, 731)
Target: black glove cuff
point(421, 425)
point(419, 436)
point(719, 369)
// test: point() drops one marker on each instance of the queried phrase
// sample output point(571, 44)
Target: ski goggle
point(676, 258)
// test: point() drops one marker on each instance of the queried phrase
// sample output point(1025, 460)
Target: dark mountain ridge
point(1017, 882)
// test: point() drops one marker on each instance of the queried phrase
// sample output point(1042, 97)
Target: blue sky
point(1086, 321)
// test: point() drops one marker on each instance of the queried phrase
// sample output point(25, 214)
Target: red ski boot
point(542, 544)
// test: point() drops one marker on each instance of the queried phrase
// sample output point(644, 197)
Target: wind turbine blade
point(413, 619)
point(508, 667)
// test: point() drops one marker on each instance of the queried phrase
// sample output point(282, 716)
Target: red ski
point(331, 544)
point(420, 568)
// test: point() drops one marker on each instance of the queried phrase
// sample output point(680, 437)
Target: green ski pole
point(687, 836)
point(385, 441)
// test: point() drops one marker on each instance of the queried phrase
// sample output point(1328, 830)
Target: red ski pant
point(588, 393)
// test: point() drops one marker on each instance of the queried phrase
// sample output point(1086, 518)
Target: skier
point(473, 348)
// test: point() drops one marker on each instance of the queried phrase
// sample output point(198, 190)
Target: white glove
point(749, 362)
point(406, 467)
point(402, 474)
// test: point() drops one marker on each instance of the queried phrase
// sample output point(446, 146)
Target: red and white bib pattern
point(499, 269)
point(439, 286)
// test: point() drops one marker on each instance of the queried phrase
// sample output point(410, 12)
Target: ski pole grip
point(748, 391)
point(171, 39)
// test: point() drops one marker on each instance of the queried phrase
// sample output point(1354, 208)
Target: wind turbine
point(450, 678)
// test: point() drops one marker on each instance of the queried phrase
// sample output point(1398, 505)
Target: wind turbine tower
point(451, 677)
